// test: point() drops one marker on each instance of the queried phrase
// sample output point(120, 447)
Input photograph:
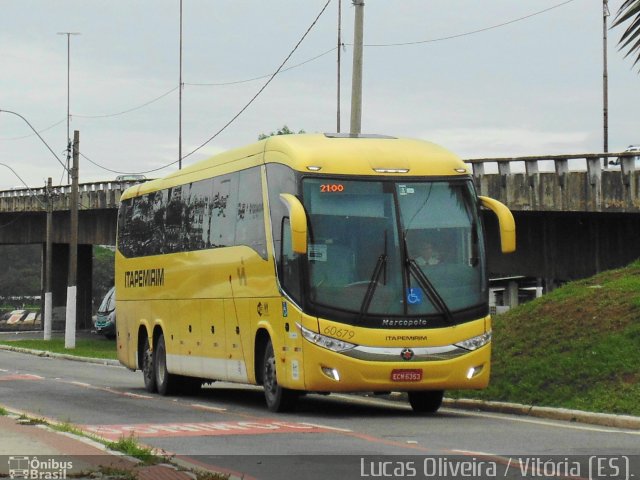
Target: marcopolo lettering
point(150, 277)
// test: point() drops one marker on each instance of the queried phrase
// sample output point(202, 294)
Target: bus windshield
point(394, 249)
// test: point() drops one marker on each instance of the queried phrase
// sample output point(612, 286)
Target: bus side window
point(289, 264)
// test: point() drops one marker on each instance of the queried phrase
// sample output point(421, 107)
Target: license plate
point(406, 375)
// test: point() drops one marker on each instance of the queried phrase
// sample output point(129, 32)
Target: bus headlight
point(323, 341)
point(475, 342)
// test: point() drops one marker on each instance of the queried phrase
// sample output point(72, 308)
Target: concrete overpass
point(574, 217)
point(23, 221)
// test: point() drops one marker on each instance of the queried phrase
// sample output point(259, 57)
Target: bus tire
point(148, 370)
point(428, 401)
point(166, 382)
point(279, 399)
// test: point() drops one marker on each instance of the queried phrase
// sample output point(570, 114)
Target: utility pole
point(48, 296)
point(605, 80)
point(70, 321)
point(68, 34)
point(339, 62)
point(180, 98)
point(356, 79)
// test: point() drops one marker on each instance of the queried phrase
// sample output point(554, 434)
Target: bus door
point(286, 325)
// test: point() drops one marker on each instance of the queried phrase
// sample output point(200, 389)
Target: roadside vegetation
point(94, 348)
point(576, 347)
point(21, 271)
point(129, 446)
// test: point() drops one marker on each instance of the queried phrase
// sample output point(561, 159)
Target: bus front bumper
point(364, 371)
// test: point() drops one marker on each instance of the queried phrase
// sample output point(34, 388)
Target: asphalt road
point(227, 426)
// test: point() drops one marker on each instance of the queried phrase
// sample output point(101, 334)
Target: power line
point(38, 131)
point(271, 77)
point(264, 86)
point(472, 32)
point(130, 109)
point(222, 84)
point(24, 183)
point(237, 82)
point(280, 70)
point(125, 173)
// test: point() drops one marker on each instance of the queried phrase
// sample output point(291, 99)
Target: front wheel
point(279, 399)
point(166, 382)
point(148, 372)
point(426, 401)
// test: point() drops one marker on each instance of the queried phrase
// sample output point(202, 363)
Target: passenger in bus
point(428, 256)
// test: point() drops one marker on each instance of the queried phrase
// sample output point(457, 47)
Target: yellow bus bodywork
point(212, 303)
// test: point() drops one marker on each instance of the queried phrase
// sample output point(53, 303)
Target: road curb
point(65, 356)
point(602, 419)
point(579, 416)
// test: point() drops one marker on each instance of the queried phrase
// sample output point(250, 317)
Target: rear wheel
point(279, 399)
point(166, 382)
point(426, 401)
point(148, 372)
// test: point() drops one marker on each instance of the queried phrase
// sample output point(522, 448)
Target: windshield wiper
point(429, 289)
point(381, 265)
point(373, 284)
point(424, 282)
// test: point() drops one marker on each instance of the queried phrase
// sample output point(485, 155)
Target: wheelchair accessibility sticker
point(414, 296)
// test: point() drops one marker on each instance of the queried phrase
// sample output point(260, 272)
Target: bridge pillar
point(59, 282)
point(511, 294)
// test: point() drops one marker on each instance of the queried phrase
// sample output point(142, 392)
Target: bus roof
point(370, 155)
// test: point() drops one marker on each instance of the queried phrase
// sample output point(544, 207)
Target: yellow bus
point(309, 263)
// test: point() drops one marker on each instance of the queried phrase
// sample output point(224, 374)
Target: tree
point(103, 272)
point(630, 38)
point(283, 131)
point(20, 270)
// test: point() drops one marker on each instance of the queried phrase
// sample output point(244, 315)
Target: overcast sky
point(527, 87)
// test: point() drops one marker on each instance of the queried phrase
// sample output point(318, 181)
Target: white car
point(630, 148)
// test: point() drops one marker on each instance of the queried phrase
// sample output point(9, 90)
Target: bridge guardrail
point(594, 187)
point(92, 195)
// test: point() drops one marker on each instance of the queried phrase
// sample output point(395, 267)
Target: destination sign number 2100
point(331, 187)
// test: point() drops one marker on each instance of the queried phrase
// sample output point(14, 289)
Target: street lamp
point(68, 34)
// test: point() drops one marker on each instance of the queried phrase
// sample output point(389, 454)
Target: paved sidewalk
point(27, 447)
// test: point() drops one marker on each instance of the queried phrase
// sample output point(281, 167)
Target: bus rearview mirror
point(297, 222)
point(506, 222)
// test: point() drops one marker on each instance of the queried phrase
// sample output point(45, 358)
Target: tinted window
point(205, 214)
point(225, 197)
point(250, 212)
point(280, 179)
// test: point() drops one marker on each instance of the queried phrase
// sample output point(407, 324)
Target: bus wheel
point(148, 372)
point(426, 401)
point(279, 399)
point(165, 381)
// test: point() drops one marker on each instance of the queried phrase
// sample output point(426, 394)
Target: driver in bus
point(428, 256)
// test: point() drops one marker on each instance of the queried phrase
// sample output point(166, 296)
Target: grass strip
point(98, 348)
